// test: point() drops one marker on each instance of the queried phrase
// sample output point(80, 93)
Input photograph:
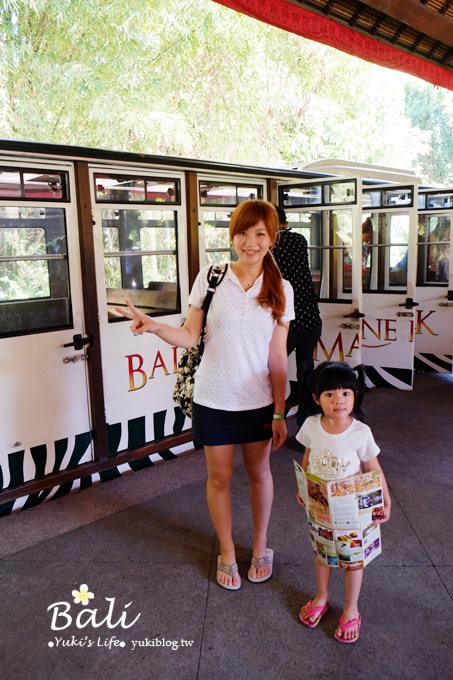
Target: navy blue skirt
point(212, 427)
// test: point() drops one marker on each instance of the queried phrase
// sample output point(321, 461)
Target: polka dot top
point(234, 374)
point(291, 255)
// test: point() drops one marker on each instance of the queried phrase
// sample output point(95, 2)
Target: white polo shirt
point(234, 374)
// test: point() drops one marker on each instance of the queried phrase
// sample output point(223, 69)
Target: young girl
point(239, 390)
point(335, 389)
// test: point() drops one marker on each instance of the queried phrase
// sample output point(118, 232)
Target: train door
point(325, 212)
point(45, 420)
point(388, 235)
point(141, 254)
point(434, 326)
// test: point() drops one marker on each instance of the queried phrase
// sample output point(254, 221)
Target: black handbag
point(191, 357)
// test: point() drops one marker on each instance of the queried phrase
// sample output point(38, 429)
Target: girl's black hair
point(335, 375)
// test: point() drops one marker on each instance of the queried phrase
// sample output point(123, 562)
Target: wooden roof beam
point(417, 16)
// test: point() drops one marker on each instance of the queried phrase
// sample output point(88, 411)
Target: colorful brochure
point(340, 516)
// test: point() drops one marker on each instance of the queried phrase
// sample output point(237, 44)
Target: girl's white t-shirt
point(234, 374)
point(335, 456)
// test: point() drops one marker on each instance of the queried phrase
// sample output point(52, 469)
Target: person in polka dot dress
point(291, 254)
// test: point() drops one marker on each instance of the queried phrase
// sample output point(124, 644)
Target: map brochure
point(340, 516)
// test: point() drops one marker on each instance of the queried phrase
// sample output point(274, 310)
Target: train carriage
point(81, 230)
point(380, 252)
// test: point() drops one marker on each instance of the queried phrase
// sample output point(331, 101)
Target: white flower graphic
point(83, 595)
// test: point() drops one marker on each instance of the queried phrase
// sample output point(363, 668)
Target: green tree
point(192, 78)
point(431, 111)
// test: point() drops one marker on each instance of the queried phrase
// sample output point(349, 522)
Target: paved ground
point(144, 546)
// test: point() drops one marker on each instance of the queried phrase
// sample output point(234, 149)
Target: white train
point(80, 229)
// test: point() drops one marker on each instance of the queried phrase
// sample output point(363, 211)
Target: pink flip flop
point(318, 612)
point(346, 625)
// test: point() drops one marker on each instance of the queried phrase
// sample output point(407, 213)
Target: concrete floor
point(144, 546)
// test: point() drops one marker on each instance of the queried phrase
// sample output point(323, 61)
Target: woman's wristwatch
point(278, 416)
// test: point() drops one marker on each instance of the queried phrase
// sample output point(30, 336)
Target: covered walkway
point(144, 547)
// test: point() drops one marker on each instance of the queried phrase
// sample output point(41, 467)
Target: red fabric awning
point(290, 17)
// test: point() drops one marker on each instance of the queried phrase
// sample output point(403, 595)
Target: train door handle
point(409, 303)
point(354, 315)
point(78, 341)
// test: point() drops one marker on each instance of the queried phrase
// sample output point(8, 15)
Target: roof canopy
point(414, 36)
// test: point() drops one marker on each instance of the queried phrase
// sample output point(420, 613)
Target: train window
point(39, 185)
point(435, 201)
point(20, 243)
point(329, 239)
point(371, 198)
point(384, 198)
point(43, 186)
point(307, 224)
point(337, 272)
point(433, 249)
point(34, 294)
point(340, 192)
point(320, 193)
point(216, 237)
point(300, 195)
point(10, 184)
point(134, 189)
point(162, 191)
point(385, 238)
point(403, 196)
point(140, 260)
point(213, 193)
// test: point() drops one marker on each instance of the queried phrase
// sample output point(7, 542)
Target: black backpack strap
point(216, 274)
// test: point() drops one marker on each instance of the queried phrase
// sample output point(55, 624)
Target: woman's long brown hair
point(247, 214)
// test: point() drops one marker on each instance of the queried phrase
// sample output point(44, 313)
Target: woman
point(239, 393)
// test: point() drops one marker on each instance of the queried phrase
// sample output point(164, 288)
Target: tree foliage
point(431, 110)
point(192, 78)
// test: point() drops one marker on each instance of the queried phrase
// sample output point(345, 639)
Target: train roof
point(22, 149)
